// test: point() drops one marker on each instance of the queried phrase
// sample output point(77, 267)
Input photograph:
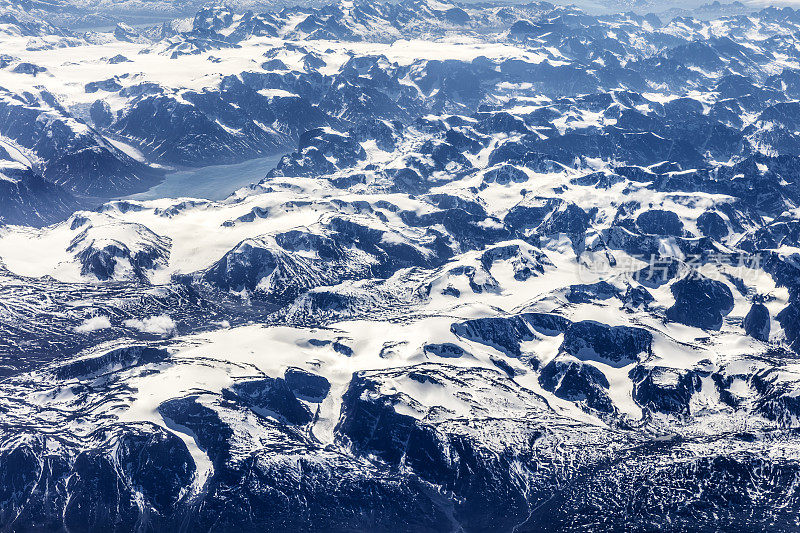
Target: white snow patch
point(95, 323)
point(157, 325)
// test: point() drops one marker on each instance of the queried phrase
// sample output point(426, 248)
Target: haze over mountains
point(84, 15)
point(521, 268)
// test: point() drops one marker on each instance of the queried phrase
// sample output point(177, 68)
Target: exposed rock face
point(445, 349)
point(505, 174)
point(659, 222)
point(616, 346)
point(548, 215)
point(135, 471)
point(27, 198)
point(121, 358)
point(712, 225)
point(506, 334)
point(666, 390)
point(306, 384)
point(757, 322)
point(700, 302)
point(270, 395)
point(441, 453)
point(577, 382)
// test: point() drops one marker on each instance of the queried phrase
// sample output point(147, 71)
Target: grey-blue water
point(212, 183)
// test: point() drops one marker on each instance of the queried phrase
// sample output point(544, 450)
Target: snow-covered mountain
point(521, 268)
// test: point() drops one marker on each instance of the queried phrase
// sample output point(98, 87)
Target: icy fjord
point(399, 267)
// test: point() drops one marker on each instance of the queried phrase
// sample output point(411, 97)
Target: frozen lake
point(212, 183)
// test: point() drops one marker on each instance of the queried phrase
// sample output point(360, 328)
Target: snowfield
point(513, 268)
